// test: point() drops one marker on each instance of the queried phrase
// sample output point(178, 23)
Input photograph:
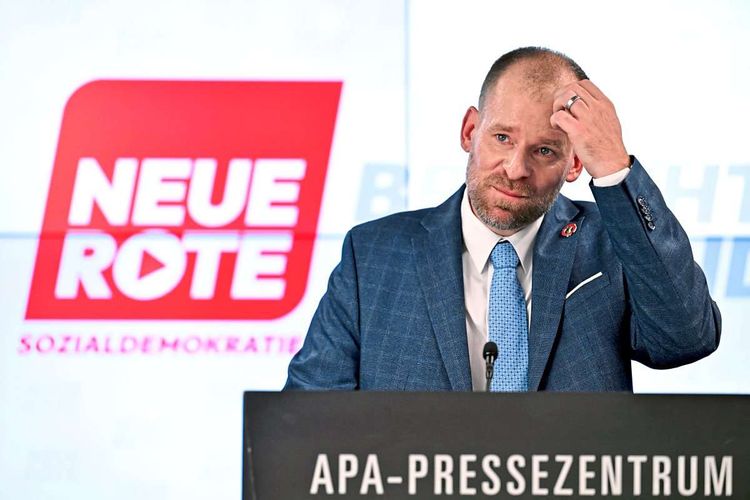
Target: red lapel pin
point(568, 230)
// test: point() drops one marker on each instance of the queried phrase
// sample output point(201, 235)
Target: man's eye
point(501, 137)
point(546, 151)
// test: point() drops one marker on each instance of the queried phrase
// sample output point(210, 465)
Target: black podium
point(300, 445)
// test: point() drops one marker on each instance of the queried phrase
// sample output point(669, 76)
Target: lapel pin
point(568, 230)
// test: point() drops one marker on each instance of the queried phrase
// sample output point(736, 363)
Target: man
point(569, 291)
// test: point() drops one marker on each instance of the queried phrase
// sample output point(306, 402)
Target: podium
point(300, 445)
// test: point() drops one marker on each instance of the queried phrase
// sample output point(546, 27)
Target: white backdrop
point(159, 426)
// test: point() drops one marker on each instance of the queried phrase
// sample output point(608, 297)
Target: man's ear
point(575, 170)
point(471, 119)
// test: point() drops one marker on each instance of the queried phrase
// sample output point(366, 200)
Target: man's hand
point(592, 127)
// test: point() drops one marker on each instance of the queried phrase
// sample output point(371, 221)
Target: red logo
point(569, 230)
point(184, 200)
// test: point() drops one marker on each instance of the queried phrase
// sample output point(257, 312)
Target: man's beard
point(530, 209)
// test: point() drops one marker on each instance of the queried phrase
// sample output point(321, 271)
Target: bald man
point(569, 291)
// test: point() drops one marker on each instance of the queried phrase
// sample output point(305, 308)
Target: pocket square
point(584, 282)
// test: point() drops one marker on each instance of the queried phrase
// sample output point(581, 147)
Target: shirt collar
point(480, 240)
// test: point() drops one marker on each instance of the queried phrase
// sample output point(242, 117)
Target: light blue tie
point(508, 326)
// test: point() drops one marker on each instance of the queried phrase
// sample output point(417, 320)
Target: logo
point(568, 230)
point(184, 200)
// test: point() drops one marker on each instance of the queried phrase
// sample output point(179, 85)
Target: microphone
point(489, 353)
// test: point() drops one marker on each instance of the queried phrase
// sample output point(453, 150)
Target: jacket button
point(642, 201)
point(651, 226)
point(648, 217)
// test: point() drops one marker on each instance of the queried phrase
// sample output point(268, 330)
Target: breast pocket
point(587, 287)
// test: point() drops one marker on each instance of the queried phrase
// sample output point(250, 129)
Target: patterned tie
point(507, 322)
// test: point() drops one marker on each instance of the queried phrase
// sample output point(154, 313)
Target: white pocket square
point(584, 282)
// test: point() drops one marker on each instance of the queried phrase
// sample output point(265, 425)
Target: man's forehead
point(518, 111)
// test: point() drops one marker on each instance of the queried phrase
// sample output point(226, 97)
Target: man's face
point(517, 161)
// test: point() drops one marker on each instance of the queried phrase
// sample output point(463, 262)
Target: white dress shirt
point(479, 240)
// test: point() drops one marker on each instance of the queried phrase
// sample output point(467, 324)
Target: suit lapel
point(438, 254)
point(553, 263)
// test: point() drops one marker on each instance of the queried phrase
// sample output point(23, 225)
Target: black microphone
point(489, 353)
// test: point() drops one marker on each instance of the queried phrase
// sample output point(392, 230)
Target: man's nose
point(517, 166)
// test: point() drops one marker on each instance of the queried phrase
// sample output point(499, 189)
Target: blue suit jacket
point(393, 317)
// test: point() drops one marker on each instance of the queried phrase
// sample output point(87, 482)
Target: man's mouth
point(510, 193)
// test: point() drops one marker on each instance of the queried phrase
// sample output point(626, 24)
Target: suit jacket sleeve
point(673, 320)
point(329, 358)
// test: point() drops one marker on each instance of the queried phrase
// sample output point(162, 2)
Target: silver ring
point(570, 102)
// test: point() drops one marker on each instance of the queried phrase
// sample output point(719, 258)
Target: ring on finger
point(572, 101)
